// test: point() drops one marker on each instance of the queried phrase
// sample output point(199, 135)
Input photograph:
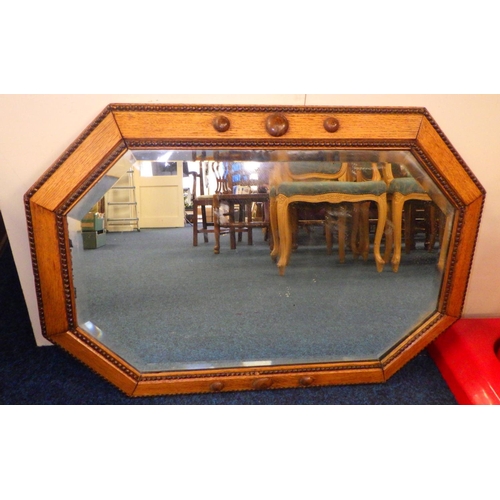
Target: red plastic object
point(468, 357)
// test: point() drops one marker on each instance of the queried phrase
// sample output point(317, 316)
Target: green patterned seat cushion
point(314, 167)
point(322, 187)
point(405, 185)
point(365, 167)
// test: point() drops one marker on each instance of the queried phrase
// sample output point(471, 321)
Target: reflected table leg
point(216, 217)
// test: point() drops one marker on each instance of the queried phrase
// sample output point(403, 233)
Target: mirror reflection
point(194, 259)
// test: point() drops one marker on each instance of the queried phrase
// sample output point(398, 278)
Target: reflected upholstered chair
point(401, 192)
point(310, 171)
point(328, 184)
point(360, 228)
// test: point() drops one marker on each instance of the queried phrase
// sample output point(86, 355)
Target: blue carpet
point(179, 305)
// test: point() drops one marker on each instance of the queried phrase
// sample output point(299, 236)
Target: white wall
point(36, 129)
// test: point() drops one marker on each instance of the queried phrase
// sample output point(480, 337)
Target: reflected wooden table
point(224, 218)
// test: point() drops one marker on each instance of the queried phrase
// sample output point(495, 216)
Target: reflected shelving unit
point(121, 205)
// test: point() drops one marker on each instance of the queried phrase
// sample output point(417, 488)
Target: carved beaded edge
point(67, 280)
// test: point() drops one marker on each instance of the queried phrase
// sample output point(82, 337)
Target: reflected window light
point(165, 157)
point(260, 362)
point(252, 166)
point(146, 169)
point(187, 181)
point(93, 329)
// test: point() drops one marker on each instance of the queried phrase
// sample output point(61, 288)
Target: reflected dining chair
point(401, 191)
point(321, 182)
point(234, 201)
point(202, 203)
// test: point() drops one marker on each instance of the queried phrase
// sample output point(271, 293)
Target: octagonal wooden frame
point(121, 127)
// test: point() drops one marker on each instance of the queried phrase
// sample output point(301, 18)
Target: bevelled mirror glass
point(235, 259)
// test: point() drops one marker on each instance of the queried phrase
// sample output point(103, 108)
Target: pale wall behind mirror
point(37, 129)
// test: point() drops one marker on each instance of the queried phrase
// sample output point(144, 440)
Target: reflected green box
point(92, 222)
point(93, 239)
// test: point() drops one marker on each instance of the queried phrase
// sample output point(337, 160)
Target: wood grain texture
point(457, 177)
point(248, 126)
point(99, 359)
point(242, 380)
point(96, 146)
point(52, 301)
point(415, 342)
point(462, 257)
point(149, 126)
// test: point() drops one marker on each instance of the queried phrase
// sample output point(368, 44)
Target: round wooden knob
point(221, 123)
point(331, 124)
point(216, 386)
point(306, 380)
point(262, 383)
point(277, 125)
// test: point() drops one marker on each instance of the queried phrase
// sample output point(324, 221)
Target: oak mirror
point(187, 249)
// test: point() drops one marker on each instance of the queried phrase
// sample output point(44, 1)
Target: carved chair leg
point(248, 209)
point(285, 230)
point(398, 201)
point(381, 223)
point(294, 224)
point(241, 219)
point(195, 225)
point(389, 233)
point(216, 218)
point(273, 221)
point(204, 223)
point(232, 232)
point(364, 229)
